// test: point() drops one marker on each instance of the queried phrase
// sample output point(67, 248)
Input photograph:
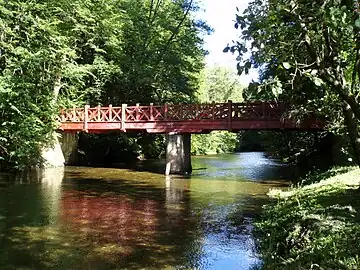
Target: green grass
point(314, 226)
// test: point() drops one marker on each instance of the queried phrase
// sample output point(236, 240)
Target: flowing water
point(105, 218)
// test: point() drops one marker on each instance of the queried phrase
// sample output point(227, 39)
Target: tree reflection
point(130, 228)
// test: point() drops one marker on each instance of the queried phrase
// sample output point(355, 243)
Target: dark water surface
point(97, 218)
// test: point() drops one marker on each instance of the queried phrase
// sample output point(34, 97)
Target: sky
point(220, 15)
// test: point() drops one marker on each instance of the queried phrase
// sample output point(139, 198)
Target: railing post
point(123, 116)
point(184, 110)
point(137, 113)
point(213, 110)
point(110, 113)
point(166, 109)
point(86, 118)
point(98, 113)
point(151, 112)
point(74, 115)
point(62, 115)
point(263, 110)
point(229, 115)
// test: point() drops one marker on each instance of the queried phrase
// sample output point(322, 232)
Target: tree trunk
point(57, 87)
point(351, 125)
point(341, 90)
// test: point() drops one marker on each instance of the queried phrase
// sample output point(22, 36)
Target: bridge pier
point(69, 145)
point(63, 151)
point(178, 158)
point(52, 156)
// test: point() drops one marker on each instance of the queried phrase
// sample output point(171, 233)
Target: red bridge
point(189, 118)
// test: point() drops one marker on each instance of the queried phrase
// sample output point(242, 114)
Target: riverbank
point(314, 226)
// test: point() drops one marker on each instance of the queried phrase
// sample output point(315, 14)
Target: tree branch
point(158, 3)
point(151, 9)
point(356, 70)
point(57, 86)
point(339, 89)
point(175, 32)
point(337, 82)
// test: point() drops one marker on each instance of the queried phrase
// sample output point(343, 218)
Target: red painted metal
point(185, 118)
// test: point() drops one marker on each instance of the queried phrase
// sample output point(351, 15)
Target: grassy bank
point(314, 226)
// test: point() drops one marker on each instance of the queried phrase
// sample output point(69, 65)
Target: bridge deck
point(189, 118)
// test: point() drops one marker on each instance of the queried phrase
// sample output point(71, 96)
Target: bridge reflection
point(117, 224)
point(110, 219)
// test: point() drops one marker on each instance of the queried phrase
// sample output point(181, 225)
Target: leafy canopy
point(67, 53)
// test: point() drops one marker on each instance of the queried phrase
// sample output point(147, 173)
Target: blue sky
point(220, 15)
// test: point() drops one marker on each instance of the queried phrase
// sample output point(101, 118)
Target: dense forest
point(65, 53)
point(217, 84)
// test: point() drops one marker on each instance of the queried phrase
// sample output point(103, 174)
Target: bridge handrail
point(178, 112)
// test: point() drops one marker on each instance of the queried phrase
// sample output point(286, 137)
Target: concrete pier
point(178, 158)
point(52, 156)
point(63, 151)
point(69, 145)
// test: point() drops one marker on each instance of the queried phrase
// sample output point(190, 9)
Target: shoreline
point(316, 224)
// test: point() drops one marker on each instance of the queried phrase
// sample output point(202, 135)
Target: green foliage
point(108, 149)
point(315, 226)
point(213, 143)
point(152, 146)
point(160, 55)
point(318, 176)
point(67, 53)
point(308, 56)
point(26, 68)
point(217, 84)
point(113, 148)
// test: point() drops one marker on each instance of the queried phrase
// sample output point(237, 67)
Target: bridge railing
point(185, 112)
point(261, 111)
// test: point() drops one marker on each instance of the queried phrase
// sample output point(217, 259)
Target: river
point(105, 218)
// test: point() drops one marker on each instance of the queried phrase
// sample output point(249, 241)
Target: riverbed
point(109, 218)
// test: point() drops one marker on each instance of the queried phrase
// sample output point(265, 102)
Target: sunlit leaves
point(286, 65)
point(304, 44)
point(90, 51)
point(219, 84)
point(357, 23)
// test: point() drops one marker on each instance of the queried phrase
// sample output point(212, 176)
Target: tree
point(67, 53)
point(43, 66)
point(162, 53)
point(217, 84)
point(312, 48)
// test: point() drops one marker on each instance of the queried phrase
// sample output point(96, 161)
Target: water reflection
point(250, 166)
point(113, 219)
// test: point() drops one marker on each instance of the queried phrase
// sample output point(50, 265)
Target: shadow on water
point(148, 165)
point(100, 218)
point(247, 165)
